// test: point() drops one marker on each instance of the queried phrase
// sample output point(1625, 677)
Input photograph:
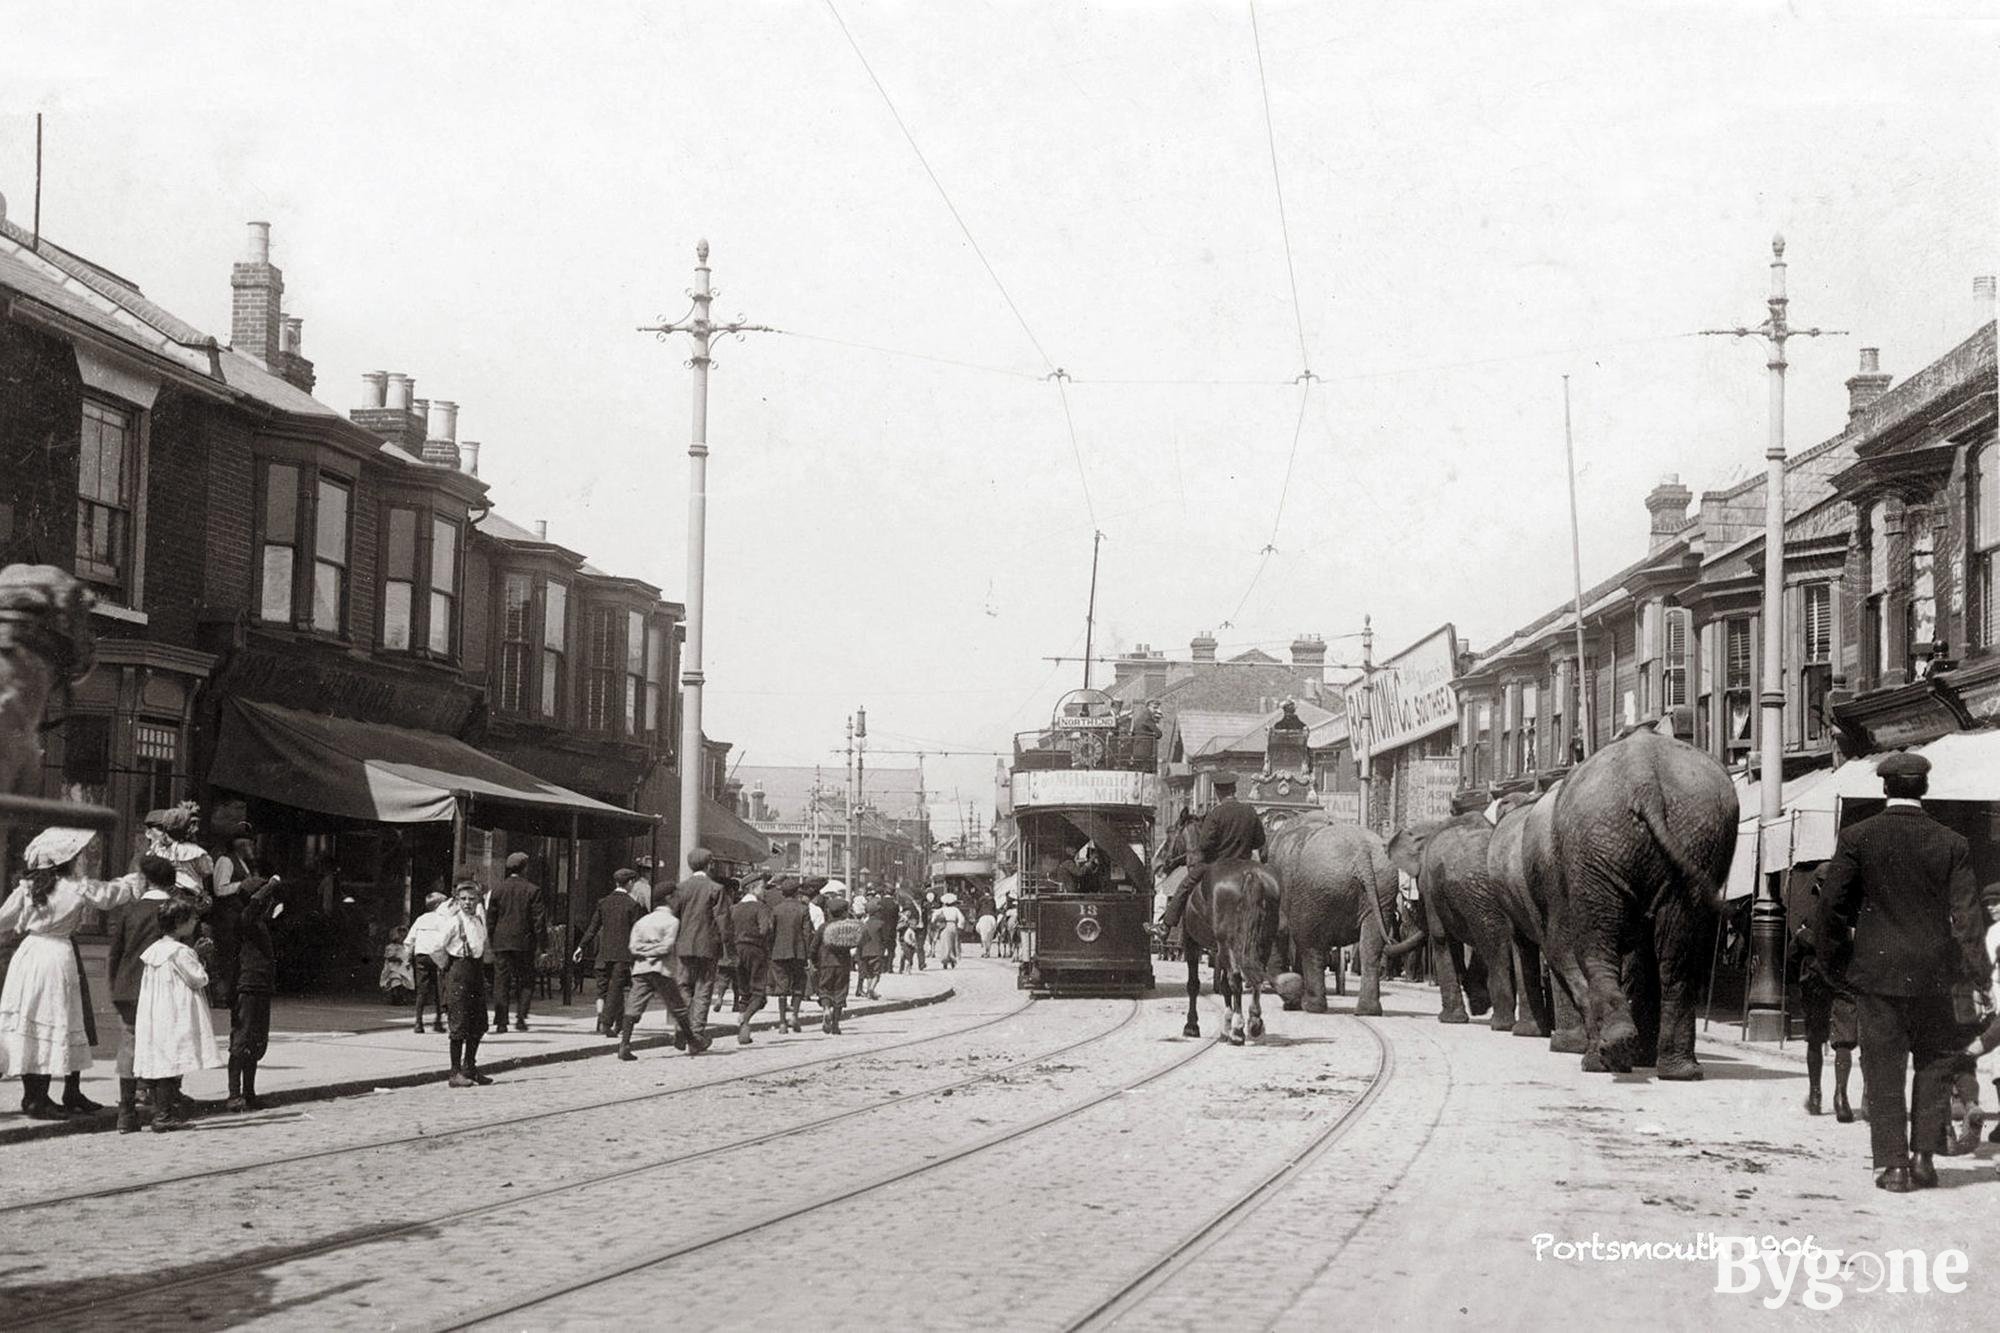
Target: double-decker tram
point(1083, 795)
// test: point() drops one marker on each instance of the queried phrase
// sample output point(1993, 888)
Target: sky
point(1476, 202)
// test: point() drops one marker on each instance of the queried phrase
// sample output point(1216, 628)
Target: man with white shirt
point(425, 938)
point(652, 943)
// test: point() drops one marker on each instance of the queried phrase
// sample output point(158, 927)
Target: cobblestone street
point(980, 1163)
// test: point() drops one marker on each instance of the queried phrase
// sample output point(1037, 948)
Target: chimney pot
point(468, 454)
point(541, 529)
point(1202, 647)
point(443, 420)
point(260, 243)
point(401, 387)
point(293, 339)
point(375, 389)
point(1667, 504)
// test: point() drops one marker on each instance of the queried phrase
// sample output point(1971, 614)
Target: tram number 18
point(1086, 909)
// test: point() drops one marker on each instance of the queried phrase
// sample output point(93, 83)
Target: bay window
point(107, 486)
point(329, 587)
point(304, 522)
point(444, 586)
point(1985, 542)
point(277, 551)
point(656, 661)
point(1736, 674)
point(600, 669)
point(419, 581)
point(517, 607)
point(1815, 657)
point(635, 673)
point(399, 573)
point(555, 640)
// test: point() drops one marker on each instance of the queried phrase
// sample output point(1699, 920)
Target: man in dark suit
point(703, 908)
point(609, 932)
point(1230, 831)
point(791, 946)
point(1905, 882)
point(515, 920)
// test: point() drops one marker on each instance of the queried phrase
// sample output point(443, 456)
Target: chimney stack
point(541, 529)
point(1202, 647)
point(389, 411)
point(1984, 296)
point(292, 364)
point(258, 294)
point(441, 439)
point(468, 454)
point(1868, 384)
point(1309, 651)
point(758, 810)
point(1668, 504)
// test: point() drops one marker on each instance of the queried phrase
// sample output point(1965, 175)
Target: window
point(444, 586)
point(656, 667)
point(1530, 703)
point(517, 606)
point(329, 603)
point(1737, 713)
point(156, 749)
point(1985, 539)
point(555, 640)
point(399, 573)
point(1679, 629)
point(87, 749)
point(1559, 691)
point(1878, 591)
point(106, 487)
point(635, 673)
point(1815, 656)
point(277, 544)
point(600, 669)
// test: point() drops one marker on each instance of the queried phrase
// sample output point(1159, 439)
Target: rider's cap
point(1903, 764)
point(1224, 778)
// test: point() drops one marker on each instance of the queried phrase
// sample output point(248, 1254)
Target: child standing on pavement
point(174, 1037)
point(833, 948)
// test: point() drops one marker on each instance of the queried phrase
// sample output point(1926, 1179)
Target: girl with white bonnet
point(45, 1026)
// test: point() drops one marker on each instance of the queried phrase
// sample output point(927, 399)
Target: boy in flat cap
point(1905, 883)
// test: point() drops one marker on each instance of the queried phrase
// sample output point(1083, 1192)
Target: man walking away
point(516, 918)
point(1230, 831)
point(652, 946)
point(425, 939)
point(1829, 1004)
point(609, 934)
point(791, 948)
point(703, 910)
point(250, 991)
point(1905, 882)
point(750, 929)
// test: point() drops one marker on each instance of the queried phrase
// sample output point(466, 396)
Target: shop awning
point(1807, 825)
point(393, 775)
point(729, 837)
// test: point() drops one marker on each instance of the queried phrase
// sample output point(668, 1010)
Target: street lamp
point(1766, 999)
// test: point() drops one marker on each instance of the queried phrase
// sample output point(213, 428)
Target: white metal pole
point(1583, 682)
point(693, 758)
point(1772, 742)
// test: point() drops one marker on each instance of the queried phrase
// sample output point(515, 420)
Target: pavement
point(324, 1047)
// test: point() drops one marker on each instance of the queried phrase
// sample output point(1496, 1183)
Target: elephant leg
point(1534, 1017)
point(1500, 982)
point(1451, 996)
point(1474, 976)
point(1639, 978)
point(1368, 1003)
point(1312, 966)
point(1616, 1036)
point(1193, 1025)
point(1683, 937)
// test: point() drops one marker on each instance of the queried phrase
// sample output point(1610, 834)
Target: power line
point(1284, 488)
point(1278, 184)
point(1076, 450)
point(914, 356)
point(950, 207)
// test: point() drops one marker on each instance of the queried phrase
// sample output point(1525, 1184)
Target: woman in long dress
point(948, 921)
point(45, 1029)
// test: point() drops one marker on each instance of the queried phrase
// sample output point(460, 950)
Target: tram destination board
point(1033, 788)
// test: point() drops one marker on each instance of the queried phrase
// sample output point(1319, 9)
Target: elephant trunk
point(1406, 945)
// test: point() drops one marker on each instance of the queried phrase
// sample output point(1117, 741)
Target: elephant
point(1335, 887)
point(1521, 866)
point(1644, 831)
point(1461, 906)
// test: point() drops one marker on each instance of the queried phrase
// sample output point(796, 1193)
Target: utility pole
point(847, 858)
point(1583, 690)
point(860, 785)
point(1766, 999)
point(697, 323)
point(1368, 720)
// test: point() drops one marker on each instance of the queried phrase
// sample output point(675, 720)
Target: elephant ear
point(1406, 848)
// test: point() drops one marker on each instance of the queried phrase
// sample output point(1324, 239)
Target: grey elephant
point(1521, 866)
point(1462, 915)
point(1335, 888)
point(1643, 835)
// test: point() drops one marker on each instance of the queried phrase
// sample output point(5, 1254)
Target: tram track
point(1132, 1294)
point(204, 1276)
point(124, 1188)
point(518, 1303)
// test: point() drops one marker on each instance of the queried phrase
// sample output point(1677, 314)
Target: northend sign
point(1406, 698)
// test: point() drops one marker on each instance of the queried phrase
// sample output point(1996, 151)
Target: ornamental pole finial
point(1778, 244)
point(701, 250)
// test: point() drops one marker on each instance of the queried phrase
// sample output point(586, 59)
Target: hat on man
point(1903, 764)
point(623, 877)
point(1224, 781)
point(515, 860)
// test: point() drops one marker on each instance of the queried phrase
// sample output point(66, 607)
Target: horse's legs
point(1253, 977)
point(1193, 1027)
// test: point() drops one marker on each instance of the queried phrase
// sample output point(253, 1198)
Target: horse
point(1232, 917)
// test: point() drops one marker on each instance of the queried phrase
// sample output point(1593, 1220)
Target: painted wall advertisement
point(1405, 699)
point(1431, 783)
point(1082, 786)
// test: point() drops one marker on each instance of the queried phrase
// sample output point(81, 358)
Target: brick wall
point(231, 514)
point(176, 516)
point(476, 609)
point(40, 407)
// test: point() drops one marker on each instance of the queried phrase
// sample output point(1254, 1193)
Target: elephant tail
point(1652, 811)
point(1408, 944)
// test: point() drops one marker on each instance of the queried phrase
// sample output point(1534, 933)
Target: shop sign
point(1084, 786)
point(1342, 807)
point(1431, 784)
point(1407, 698)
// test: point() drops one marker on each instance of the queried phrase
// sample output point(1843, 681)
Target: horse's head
point(46, 611)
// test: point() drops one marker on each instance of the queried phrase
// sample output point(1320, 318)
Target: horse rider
point(1230, 831)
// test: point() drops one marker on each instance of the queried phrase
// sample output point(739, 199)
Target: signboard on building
point(1084, 786)
point(1342, 807)
point(1431, 783)
point(1406, 698)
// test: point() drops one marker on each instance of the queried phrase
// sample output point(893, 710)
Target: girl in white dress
point(43, 1029)
point(174, 1037)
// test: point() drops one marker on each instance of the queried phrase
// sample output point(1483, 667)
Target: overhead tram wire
point(1055, 372)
